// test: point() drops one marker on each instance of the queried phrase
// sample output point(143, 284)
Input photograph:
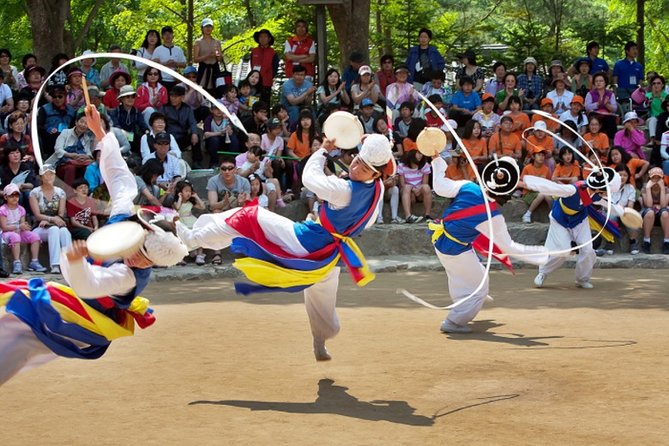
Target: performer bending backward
point(45, 321)
point(464, 225)
point(282, 255)
point(572, 217)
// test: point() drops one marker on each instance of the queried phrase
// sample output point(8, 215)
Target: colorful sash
point(58, 317)
point(597, 221)
point(272, 269)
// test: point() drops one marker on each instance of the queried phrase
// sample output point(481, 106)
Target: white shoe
point(539, 280)
point(527, 217)
point(585, 285)
point(320, 351)
point(451, 327)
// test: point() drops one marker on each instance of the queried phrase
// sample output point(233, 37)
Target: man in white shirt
point(110, 67)
point(171, 165)
point(169, 55)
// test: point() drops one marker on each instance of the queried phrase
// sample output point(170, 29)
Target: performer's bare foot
point(320, 351)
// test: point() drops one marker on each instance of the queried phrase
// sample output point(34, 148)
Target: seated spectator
point(547, 107)
point(391, 193)
point(539, 139)
point(510, 89)
point(184, 200)
point(380, 126)
point(7, 70)
point(258, 166)
point(181, 124)
point(401, 90)
point(403, 122)
point(16, 230)
point(257, 122)
point(409, 143)
point(386, 75)
point(151, 95)
point(16, 136)
point(654, 201)
point(567, 133)
point(636, 166)
point(532, 84)
point(630, 137)
point(92, 175)
point(581, 82)
point(520, 119)
point(47, 203)
point(128, 117)
point(157, 124)
point(117, 80)
point(496, 84)
point(171, 164)
point(88, 69)
point(576, 115)
point(193, 98)
point(597, 140)
point(475, 144)
point(466, 102)
point(229, 98)
point(559, 95)
point(81, 211)
point(504, 142)
point(75, 91)
point(245, 98)
point(272, 145)
point(469, 69)
point(297, 93)
point(34, 77)
point(437, 86)
point(225, 191)
point(333, 91)
point(432, 119)
point(487, 117)
point(53, 118)
point(74, 150)
point(26, 60)
point(538, 169)
point(555, 71)
point(148, 191)
point(414, 178)
point(366, 115)
point(23, 105)
point(459, 168)
point(60, 76)
point(654, 99)
point(601, 102)
point(567, 170)
point(626, 198)
point(255, 82)
point(6, 97)
point(299, 144)
point(355, 61)
point(218, 136)
point(15, 165)
point(664, 149)
point(364, 87)
point(114, 65)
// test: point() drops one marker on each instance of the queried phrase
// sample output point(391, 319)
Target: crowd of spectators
point(165, 128)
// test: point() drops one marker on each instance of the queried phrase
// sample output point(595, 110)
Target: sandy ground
point(552, 366)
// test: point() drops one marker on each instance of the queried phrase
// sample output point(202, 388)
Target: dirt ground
point(552, 366)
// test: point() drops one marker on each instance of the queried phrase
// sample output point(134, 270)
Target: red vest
point(261, 59)
point(300, 48)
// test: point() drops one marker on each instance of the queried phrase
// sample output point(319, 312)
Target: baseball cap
point(11, 188)
point(207, 22)
point(162, 137)
point(365, 69)
point(401, 67)
point(654, 172)
point(367, 102)
point(487, 97)
point(190, 69)
point(546, 101)
point(46, 168)
point(273, 123)
point(577, 100)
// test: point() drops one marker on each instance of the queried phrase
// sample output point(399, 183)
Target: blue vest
point(574, 204)
point(463, 229)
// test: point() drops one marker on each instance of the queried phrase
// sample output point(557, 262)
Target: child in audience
point(244, 99)
point(230, 99)
point(432, 119)
point(185, 199)
point(436, 86)
point(625, 197)
point(15, 230)
point(487, 117)
point(520, 119)
point(655, 202)
point(547, 107)
point(475, 145)
point(538, 169)
point(81, 211)
point(414, 176)
point(597, 139)
point(402, 125)
point(504, 142)
point(636, 166)
point(567, 170)
point(539, 138)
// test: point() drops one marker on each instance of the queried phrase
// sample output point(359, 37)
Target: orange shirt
point(476, 147)
point(545, 143)
point(520, 122)
point(550, 125)
point(409, 145)
point(634, 165)
point(599, 142)
point(507, 146)
point(531, 169)
point(457, 173)
point(567, 170)
point(299, 148)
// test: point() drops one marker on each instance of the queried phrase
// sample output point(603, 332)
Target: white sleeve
point(664, 143)
point(93, 281)
point(616, 209)
point(116, 174)
point(545, 186)
point(312, 49)
point(144, 147)
point(443, 186)
point(335, 191)
point(287, 48)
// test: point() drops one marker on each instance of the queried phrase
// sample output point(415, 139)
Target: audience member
point(576, 114)
point(627, 72)
point(26, 60)
point(218, 136)
point(559, 95)
point(265, 60)
point(157, 124)
point(151, 95)
point(536, 168)
point(469, 69)
point(116, 81)
point(486, 116)
point(532, 84)
point(567, 170)
point(207, 53)
point(146, 50)
point(75, 91)
point(88, 69)
point(110, 68)
point(74, 150)
point(581, 82)
point(128, 118)
point(655, 212)
point(169, 55)
point(364, 87)
point(297, 93)
point(81, 211)
point(636, 166)
point(53, 118)
point(423, 59)
point(60, 76)
point(333, 91)
point(597, 140)
point(601, 102)
point(504, 142)
point(9, 71)
point(414, 181)
point(510, 89)
point(181, 124)
point(496, 84)
point(386, 75)
point(355, 61)
point(630, 137)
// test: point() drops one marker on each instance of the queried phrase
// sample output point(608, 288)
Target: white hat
point(87, 52)
point(531, 60)
point(126, 90)
point(207, 22)
point(453, 124)
point(365, 69)
point(599, 177)
point(540, 125)
point(377, 152)
point(630, 116)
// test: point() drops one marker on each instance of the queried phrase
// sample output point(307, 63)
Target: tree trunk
point(351, 24)
point(641, 28)
point(87, 26)
point(250, 16)
point(189, 33)
point(47, 24)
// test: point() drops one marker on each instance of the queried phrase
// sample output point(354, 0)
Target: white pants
point(212, 232)
point(20, 349)
point(465, 272)
point(58, 239)
point(559, 238)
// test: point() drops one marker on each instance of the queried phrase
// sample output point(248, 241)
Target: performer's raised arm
point(443, 186)
point(545, 186)
point(336, 191)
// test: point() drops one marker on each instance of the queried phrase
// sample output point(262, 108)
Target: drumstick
point(85, 87)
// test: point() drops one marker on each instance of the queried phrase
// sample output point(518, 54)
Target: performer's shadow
point(335, 400)
point(480, 332)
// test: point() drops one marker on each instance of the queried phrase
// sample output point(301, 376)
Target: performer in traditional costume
point(573, 216)
point(45, 321)
point(464, 226)
point(281, 255)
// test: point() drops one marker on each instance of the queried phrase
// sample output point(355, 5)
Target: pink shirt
point(632, 144)
point(413, 177)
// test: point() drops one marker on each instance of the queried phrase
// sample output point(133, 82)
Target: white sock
point(646, 239)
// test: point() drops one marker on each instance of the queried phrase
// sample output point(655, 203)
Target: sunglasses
point(227, 168)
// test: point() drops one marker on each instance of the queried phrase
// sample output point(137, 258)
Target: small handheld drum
point(632, 218)
point(431, 141)
point(115, 241)
point(501, 176)
point(344, 128)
